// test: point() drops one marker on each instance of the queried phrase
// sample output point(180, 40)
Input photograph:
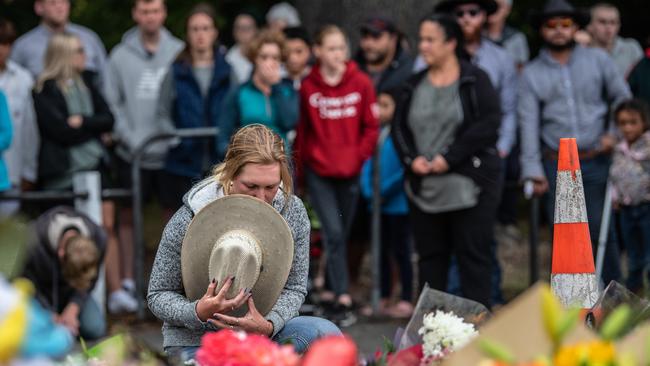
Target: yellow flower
point(601, 352)
point(595, 353)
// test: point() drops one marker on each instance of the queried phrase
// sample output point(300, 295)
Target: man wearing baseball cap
point(381, 55)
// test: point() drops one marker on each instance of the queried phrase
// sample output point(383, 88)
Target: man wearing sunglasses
point(568, 91)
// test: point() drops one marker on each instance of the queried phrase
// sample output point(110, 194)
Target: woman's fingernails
point(216, 315)
point(214, 280)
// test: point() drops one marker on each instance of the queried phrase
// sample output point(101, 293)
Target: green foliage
point(617, 323)
point(111, 18)
point(13, 246)
point(496, 351)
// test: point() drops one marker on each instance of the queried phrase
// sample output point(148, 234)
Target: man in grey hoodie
point(136, 68)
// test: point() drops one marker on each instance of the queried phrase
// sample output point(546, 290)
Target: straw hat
point(239, 236)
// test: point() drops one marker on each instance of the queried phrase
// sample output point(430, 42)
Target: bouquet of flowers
point(230, 348)
point(588, 349)
point(443, 333)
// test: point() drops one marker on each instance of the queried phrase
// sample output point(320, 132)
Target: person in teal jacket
point(265, 98)
point(395, 229)
point(6, 133)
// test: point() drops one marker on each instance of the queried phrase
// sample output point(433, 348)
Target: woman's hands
point(252, 322)
point(212, 303)
point(75, 121)
point(421, 166)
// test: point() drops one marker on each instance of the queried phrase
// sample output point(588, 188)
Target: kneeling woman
point(255, 165)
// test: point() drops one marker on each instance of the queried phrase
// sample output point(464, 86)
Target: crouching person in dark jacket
point(63, 263)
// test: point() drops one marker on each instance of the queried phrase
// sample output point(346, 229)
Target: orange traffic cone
point(573, 277)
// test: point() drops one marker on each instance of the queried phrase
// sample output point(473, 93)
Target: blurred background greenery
point(111, 18)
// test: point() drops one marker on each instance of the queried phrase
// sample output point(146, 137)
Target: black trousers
point(466, 233)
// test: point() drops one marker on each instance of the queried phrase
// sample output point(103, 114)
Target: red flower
point(407, 357)
point(330, 351)
point(230, 348)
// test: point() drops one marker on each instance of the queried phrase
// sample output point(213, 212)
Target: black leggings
point(396, 243)
point(466, 233)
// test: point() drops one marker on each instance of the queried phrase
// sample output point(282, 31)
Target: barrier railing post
point(136, 189)
point(89, 184)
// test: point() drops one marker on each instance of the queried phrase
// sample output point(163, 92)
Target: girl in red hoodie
point(337, 132)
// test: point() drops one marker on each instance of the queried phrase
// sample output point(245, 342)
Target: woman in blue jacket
point(5, 140)
point(191, 96)
point(395, 229)
point(265, 98)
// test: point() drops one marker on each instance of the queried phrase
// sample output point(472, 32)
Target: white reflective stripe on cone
point(569, 198)
point(576, 289)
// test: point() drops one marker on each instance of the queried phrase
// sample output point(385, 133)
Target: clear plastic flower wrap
point(612, 297)
point(431, 300)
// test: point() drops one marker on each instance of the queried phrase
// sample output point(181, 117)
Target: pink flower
point(330, 351)
point(230, 348)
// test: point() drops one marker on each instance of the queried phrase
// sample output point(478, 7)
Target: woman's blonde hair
point(254, 144)
point(80, 262)
point(58, 60)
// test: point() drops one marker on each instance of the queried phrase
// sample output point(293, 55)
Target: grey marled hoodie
point(166, 296)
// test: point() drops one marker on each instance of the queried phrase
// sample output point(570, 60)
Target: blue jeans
point(300, 331)
point(594, 179)
point(635, 230)
point(92, 323)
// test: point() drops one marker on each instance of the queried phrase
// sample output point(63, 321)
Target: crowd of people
point(454, 116)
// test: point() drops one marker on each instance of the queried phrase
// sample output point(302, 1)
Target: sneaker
point(343, 316)
point(121, 301)
point(129, 286)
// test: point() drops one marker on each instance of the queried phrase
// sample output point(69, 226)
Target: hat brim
point(238, 212)
point(447, 6)
point(581, 18)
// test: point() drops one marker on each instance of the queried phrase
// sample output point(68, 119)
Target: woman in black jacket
point(72, 115)
point(445, 131)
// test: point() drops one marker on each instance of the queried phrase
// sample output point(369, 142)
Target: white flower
point(444, 333)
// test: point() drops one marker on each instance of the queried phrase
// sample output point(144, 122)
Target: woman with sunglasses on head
point(445, 131)
point(72, 115)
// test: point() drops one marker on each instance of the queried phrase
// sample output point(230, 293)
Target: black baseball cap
point(377, 24)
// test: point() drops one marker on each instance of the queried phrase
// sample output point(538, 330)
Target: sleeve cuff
point(192, 320)
point(276, 320)
point(532, 170)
